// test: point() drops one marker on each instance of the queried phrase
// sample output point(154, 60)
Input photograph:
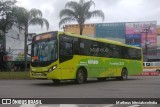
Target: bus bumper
point(38, 75)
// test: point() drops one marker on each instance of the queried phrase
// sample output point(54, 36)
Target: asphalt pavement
point(134, 87)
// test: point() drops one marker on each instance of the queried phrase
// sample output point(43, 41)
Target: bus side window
point(76, 47)
point(66, 49)
point(125, 53)
point(81, 48)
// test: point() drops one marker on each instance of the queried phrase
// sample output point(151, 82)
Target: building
point(158, 36)
point(89, 29)
point(141, 34)
point(12, 47)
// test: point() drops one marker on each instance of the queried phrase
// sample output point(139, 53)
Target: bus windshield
point(45, 50)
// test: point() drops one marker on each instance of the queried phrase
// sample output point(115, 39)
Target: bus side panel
point(134, 67)
point(67, 68)
point(95, 66)
point(114, 67)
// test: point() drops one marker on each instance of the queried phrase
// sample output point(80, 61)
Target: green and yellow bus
point(65, 56)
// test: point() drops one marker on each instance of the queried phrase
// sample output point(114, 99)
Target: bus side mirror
point(29, 49)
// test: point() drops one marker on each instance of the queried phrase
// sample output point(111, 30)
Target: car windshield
point(45, 50)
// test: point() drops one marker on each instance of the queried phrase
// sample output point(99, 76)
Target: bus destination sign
point(45, 36)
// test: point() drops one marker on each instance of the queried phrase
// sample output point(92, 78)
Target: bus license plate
point(38, 74)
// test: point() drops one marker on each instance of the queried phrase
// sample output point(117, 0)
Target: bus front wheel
point(80, 76)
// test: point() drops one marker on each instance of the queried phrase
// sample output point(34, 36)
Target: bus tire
point(80, 76)
point(124, 74)
point(56, 81)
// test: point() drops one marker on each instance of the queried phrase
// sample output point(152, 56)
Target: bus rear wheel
point(80, 76)
point(124, 75)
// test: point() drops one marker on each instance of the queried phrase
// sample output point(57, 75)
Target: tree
point(26, 18)
point(79, 12)
point(6, 15)
point(6, 19)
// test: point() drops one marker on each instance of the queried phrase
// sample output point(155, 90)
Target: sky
point(114, 10)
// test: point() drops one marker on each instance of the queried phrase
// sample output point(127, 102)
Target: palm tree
point(26, 18)
point(79, 12)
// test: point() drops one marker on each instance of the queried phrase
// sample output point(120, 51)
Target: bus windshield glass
point(44, 50)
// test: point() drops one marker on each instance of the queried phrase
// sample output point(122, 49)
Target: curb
point(149, 74)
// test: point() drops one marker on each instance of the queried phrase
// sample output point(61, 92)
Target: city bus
point(62, 56)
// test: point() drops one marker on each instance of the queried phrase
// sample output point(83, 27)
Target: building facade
point(12, 47)
point(89, 29)
point(141, 34)
point(158, 36)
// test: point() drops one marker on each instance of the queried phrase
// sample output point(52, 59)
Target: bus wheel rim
point(80, 76)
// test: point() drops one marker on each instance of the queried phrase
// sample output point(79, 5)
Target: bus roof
point(92, 38)
point(100, 40)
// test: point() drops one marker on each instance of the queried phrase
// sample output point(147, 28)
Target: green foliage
point(26, 18)
point(9, 65)
point(14, 75)
point(6, 15)
point(79, 12)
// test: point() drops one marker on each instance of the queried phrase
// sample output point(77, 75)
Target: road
point(134, 87)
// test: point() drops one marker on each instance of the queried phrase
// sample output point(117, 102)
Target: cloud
point(115, 11)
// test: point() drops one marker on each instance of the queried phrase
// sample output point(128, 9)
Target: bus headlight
point(52, 68)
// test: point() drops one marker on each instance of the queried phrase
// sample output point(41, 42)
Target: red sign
point(7, 58)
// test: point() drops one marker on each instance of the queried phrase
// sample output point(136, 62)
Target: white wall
point(15, 43)
point(12, 40)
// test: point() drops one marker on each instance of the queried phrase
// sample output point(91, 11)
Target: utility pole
point(146, 31)
point(28, 37)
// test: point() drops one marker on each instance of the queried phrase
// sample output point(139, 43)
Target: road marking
point(68, 105)
point(45, 106)
point(28, 105)
point(109, 105)
point(134, 106)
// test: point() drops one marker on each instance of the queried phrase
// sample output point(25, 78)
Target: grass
point(14, 75)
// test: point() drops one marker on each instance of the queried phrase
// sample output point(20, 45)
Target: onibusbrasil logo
point(21, 101)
